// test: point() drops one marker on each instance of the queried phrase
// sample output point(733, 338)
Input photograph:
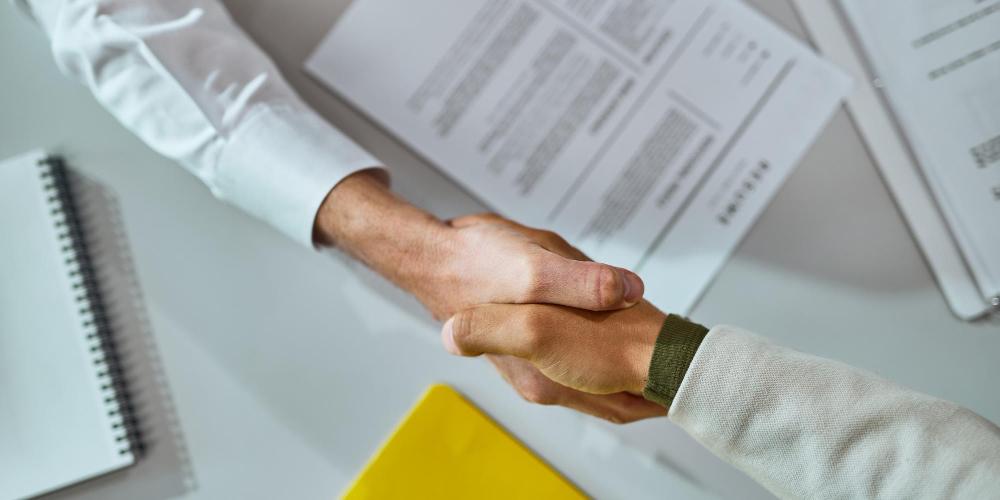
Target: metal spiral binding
point(93, 315)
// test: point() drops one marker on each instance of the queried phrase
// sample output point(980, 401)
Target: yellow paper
point(448, 449)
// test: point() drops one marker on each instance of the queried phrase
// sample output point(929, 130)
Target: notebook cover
point(61, 417)
point(447, 449)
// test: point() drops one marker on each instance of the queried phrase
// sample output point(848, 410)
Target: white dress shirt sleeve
point(185, 78)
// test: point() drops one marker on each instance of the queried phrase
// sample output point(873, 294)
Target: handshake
point(561, 329)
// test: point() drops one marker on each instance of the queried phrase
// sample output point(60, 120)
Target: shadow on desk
point(163, 470)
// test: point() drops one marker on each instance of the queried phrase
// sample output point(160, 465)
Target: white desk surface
point(287, 371)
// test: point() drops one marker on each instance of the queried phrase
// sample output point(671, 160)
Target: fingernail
point(633, 287)
point(448, 337)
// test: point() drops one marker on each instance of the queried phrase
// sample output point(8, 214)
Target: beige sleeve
point(808, 427)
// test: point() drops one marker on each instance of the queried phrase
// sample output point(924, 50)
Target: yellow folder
point(447, 449)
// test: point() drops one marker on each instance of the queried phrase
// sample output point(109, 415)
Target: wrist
point(677, 343)
point(363, 218)
point(644, 343)
point(341, 216)
point(426, 248)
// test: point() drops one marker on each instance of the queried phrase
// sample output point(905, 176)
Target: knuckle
point(616, 419)
point(535, 274)
point(617, 416)
point(479, 219)
point(607, 287)
point(463, 327)
point(488, 216)
point(485, 218)
point(533, 323)
point(554, 239)
point(538, 394)
point(578, 254)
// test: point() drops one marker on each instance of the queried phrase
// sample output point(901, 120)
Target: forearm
point(808, 427)
point(184, 77)
point(803, 426)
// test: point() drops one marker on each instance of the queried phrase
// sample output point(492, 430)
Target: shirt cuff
point(282, 162)
point(676, 346)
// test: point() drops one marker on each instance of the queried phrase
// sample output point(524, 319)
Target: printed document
point(939, 65)
point(649, 133)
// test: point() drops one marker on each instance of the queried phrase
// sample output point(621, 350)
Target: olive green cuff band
point(676, 345)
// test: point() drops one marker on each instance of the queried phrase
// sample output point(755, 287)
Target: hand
point(474, 260)
point(533, 385)
point(483, 260)
point(414, 250)
point(592, 352)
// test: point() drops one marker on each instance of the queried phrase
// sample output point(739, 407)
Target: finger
point(491, 329)
point(475, 219)
point(551, 242)
point(535, 387)
point(618, 408)
point(564, 275)
point(584, 285)
point(505, 365)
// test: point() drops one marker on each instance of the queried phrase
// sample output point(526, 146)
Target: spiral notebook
point(64, 413)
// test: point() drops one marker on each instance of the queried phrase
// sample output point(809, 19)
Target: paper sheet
point(939, 65)
point(649, 133)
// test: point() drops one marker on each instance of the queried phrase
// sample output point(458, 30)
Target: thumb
point(583, 285)
point(490, 329)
